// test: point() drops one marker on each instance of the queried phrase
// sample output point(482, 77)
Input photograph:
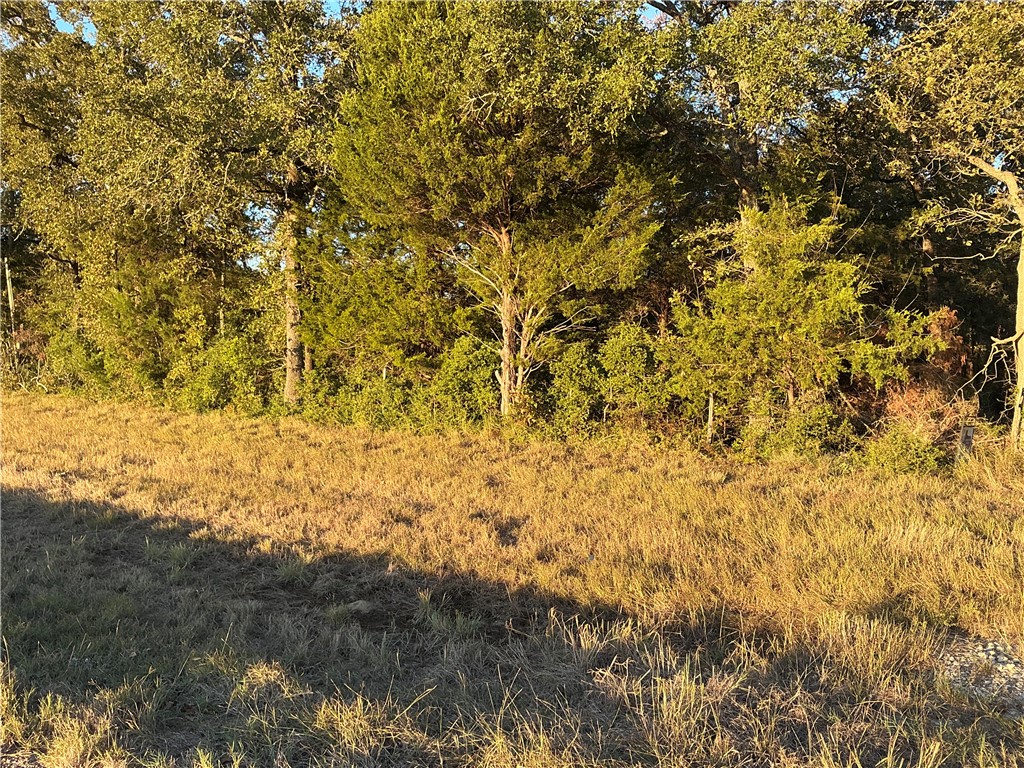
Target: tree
point(296, 74)
point(955, 86)
point(799, 323)
point(372, 301)
point(758, 71)
point(175, 129)
point(487, 131)
point(115, 183)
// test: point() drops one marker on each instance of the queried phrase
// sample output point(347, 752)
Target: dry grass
point(209, 590)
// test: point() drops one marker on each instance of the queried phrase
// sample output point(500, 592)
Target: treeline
point(765, 224)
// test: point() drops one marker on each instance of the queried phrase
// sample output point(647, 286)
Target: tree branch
point(1004, 177)
point(668, 7)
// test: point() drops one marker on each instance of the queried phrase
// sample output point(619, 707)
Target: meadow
point(211, 590)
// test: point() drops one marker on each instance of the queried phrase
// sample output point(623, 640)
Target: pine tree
point(488, 131)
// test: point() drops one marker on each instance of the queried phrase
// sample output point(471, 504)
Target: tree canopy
point(732, 221)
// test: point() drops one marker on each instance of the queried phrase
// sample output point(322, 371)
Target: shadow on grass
point(208, 643)
point(175, 640)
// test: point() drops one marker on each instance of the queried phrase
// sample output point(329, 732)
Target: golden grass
point(183, 589)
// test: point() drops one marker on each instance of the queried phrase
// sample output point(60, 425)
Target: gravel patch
point(986, 669)
point(18, 761)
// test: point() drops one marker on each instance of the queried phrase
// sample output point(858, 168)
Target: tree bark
point(745, 163)
point(1016, 427)
point(221, 301)
point(10, 292)
point(1016, 199)
point(507, 377)
point(711, 418)
point(292, 316)
point(509, 313)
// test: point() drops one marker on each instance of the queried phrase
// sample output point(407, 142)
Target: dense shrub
point(381, 401)
point(464, 390)
point(231, 371)
point(812, 428)
point(575, 392)
point(780, 320)
point(900, 449)
point(72, 363)
point(636, 382)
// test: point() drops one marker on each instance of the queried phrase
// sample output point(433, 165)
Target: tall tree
point(488, 131)
point(297, 72)
point(757, 71)
point(114, 180)
point(956, 88)
point(181, 125)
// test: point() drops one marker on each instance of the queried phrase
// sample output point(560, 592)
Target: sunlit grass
point(184, 589)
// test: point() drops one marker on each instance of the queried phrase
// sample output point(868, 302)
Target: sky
point(63, 26)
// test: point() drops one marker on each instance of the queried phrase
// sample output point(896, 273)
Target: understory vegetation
point(782, 227)
point(211, 590)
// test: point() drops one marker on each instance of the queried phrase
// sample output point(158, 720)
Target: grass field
point(210, 590)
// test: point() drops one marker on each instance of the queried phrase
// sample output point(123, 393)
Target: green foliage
point(121, 328)
point(375, 301)
point(191, 188)
point(379, 401)
point(900, 449)
point(461, 392)
point(464, 390)
point(813, 427)
point(231, 371)
point(635, 383)
point(378, 398)
point(491, 131)
point(955, 85)
point(577, 386)
point(783, 317)
point(72, 363)
point(321, 398)
point(782, 58)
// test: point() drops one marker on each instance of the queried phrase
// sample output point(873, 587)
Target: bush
point(72, 363)
point(377, 400)
point(928, 411)
point(575, 391)
point(813, 427)
point(780, 316)
point(636, 385)
point(464, 390)
point(230, 371)
point(323, 400)
point(901, 449)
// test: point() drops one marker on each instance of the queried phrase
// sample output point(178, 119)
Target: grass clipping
point(185, 590)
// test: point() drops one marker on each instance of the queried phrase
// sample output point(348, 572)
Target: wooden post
point(967, 439)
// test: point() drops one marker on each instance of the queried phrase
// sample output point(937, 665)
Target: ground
point(213, 590)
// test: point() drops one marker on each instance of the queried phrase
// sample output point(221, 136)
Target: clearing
point(212, 590)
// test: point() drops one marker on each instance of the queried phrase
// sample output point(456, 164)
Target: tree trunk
point(221, 301)
point(1016, 200)
point(10, 292)
point(1017, 428)
point(510, 316)
point(746, 162)
point(711, 418)
point(292, 343)
point(507, 377)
